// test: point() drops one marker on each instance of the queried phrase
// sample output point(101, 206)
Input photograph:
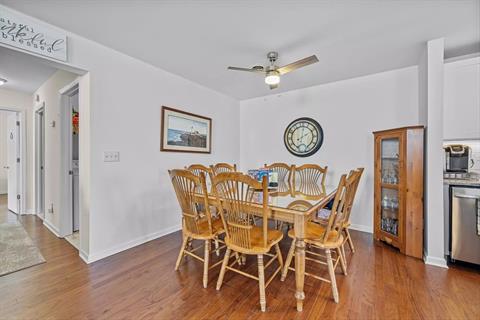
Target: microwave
point(457, 158)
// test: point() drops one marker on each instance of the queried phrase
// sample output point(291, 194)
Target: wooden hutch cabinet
point(398, 200)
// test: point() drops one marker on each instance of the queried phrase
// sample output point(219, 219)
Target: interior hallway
point(141, 283)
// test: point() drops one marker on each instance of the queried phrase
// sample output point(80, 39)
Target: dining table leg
point(299, 260)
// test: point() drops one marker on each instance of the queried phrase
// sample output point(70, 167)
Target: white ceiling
point(198, 40)
point(23, 72)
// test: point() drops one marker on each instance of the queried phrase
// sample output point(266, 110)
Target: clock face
point(303, 137)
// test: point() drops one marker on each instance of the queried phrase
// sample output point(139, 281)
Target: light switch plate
point(111, 156)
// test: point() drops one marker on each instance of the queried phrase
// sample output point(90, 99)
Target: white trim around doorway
point(66, 207)
point(40, 107)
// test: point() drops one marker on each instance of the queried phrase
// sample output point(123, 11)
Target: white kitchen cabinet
point(461, 112)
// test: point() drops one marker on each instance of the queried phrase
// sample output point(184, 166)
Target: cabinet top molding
point(401, 128)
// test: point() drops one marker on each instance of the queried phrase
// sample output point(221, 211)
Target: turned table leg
point(299, 260)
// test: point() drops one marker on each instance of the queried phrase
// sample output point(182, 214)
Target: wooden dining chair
point(300, 205)
point(309, 178)
point(347, 224)
point(196, 225)
point(198, 169)
point(283, 170)
point(223, 167)
point(324, 214)
point(243, 197)
point(327, 238)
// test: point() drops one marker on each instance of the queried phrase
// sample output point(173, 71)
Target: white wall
point(20, 101)
point(49, 96)
point(132, 201)
point(431, 69)
point(349, 111)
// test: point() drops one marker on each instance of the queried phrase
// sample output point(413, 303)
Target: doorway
point(47, 83)
point(40, 161)
point(70, 151)
point(11, 158)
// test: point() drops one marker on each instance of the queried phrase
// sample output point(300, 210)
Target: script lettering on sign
point(21, 32)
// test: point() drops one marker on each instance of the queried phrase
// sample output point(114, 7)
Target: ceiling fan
point(272, 72)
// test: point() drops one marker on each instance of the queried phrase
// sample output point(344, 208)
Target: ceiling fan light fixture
point(2, 81)
point(272, 78)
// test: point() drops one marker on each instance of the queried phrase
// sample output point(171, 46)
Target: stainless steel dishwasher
point(465, 228)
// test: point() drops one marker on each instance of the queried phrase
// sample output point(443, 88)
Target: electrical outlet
point(50, 210)
point(111, 156)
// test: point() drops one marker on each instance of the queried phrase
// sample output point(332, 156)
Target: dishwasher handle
point(467, 196)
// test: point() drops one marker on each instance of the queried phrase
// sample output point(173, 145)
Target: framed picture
point(185, 132)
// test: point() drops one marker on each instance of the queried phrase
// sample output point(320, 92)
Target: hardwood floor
point(141, 283)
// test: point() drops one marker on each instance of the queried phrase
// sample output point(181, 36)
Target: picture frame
point(183, 131)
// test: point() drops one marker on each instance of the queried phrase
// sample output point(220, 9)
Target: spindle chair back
point(223, 167)
point(309, 178)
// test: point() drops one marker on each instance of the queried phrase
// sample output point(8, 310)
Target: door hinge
point(18, 197)
point(18, 123)
point(18, 160)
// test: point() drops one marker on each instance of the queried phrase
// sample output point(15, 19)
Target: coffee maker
point(457, 160)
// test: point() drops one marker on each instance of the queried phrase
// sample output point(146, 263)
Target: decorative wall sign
point(19, 31)
point(185, 132)
point(303, 137)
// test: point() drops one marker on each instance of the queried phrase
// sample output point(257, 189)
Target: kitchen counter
point(462, 182)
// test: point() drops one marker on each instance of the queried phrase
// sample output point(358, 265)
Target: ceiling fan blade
point(273, 86)
point(298, 64)
point(257, 70)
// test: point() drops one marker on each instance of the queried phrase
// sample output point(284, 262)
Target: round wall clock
point(303, 137)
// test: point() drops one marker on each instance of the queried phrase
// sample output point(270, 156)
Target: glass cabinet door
point(390, 178)
point(390, 153)
point(390, 204)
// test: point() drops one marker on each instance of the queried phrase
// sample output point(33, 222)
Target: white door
point(13, 162)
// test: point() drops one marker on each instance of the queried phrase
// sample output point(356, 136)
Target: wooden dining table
point(296, 204)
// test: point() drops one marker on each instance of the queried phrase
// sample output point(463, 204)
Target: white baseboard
point(52, 228)
point(83, 256)
point(40, 217)
point(69, 240)
point(362, 228)
point(30, 211)
point(435, 261)
point(127, 245)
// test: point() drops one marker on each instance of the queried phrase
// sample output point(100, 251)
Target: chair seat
point(314, 235)
point(204, 232)
point(256, 241)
